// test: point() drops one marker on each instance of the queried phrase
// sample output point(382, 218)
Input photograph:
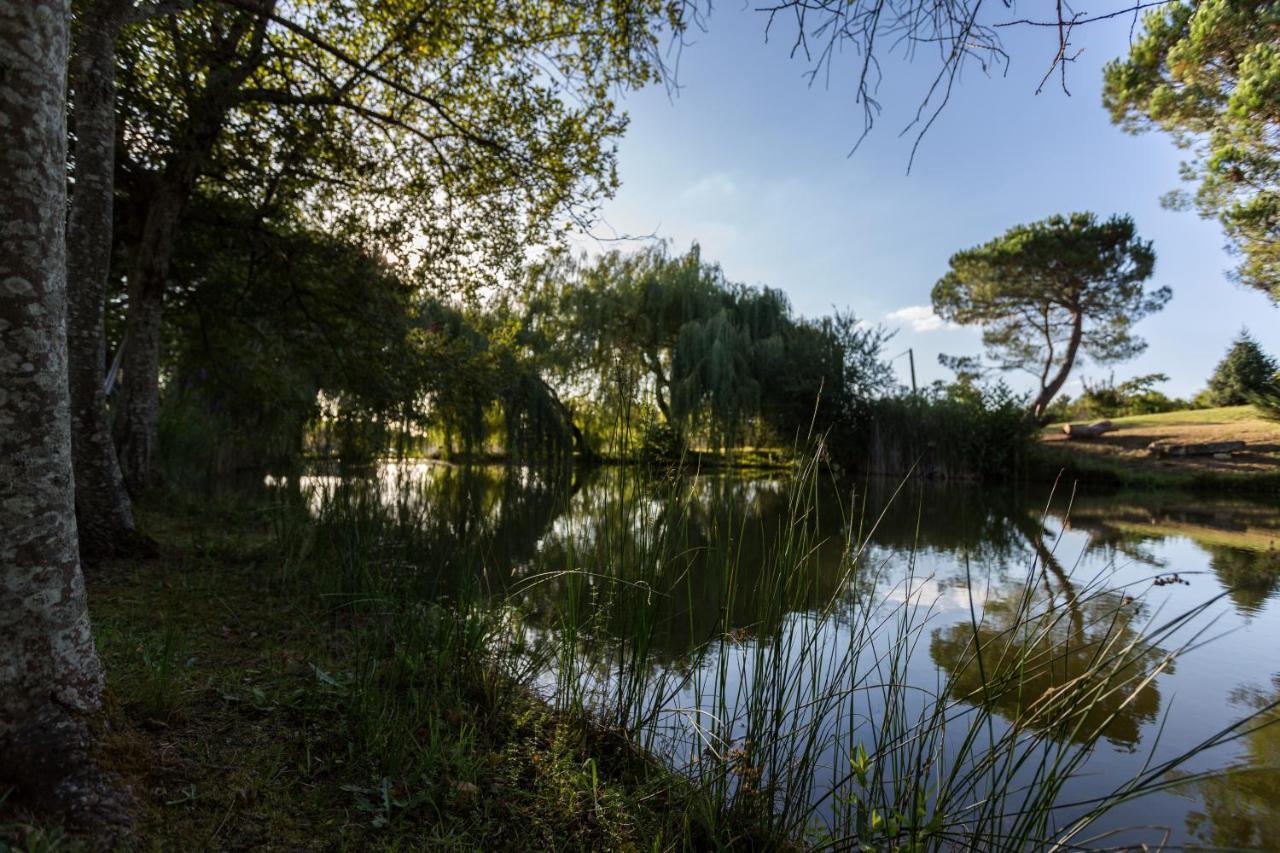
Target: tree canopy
point(454, 135)
point(1208, 72)
point(281, 334)
point(1045, 291)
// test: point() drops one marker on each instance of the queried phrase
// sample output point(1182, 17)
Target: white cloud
point(921, 318)
point(715, 185)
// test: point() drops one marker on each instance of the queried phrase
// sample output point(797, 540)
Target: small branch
point(1077, 19)
point(355, 63)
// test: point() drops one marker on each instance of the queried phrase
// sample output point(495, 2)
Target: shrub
point(1136, 396)
point(982, 435)
point(663, 443)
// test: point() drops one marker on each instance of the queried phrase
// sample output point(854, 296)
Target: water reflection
point(698, 533)
point(1016, 665)
point(1241, 810)
point(1240, 538)
point(694, 546)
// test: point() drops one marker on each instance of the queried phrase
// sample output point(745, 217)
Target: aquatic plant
point(800, 708)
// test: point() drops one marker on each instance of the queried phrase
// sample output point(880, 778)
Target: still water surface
point(956, 554)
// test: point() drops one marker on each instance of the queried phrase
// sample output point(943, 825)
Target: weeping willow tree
point(721, 361)
point(270, 318)
point(287, 340)
point(711, 358)
point(484, 393)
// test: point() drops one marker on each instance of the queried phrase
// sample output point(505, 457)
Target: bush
point(982, 435)
point(663, 443)
point(1107, 399)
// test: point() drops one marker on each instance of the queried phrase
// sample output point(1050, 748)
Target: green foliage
point(23, 838)
point(268, 321)
point(1267, 400)
point(266, 316)
point(977, 433)
point(1244, 373)
point(1044, 291)
point(662, 443)
point(451, 136)
point(713, 356)
point(337, 173)
point(1208, 72)
point(969, 372)
point(1109, 399)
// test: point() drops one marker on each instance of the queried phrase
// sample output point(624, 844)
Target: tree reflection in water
point(1241, 808)
point(672, 564)
point(1241, 538)
point(1015, 665)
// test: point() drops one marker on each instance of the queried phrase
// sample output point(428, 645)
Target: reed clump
point(769, 703)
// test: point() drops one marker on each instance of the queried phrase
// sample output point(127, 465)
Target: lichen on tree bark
point(49, 671)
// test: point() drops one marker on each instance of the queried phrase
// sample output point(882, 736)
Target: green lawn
point(1121, 455)
point(1187, 417)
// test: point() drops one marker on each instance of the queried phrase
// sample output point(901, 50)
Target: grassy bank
point(1120, 457)
point(701, 459)
point(249, 708)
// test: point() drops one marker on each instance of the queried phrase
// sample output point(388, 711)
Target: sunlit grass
point(1184, 417)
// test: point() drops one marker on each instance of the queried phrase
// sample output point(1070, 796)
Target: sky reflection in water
point(942, 548)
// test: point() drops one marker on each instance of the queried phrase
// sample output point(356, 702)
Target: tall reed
point(799, 708)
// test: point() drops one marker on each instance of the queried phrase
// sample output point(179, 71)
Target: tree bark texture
point(104, 514)
point(49, 671)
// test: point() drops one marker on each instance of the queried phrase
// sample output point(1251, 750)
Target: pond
point(680, 626)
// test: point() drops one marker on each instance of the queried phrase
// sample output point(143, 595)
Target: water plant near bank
point(790, 703)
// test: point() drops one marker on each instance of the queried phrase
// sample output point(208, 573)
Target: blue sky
point(753, 163)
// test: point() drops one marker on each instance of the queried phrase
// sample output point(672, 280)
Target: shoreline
point(1044, 464)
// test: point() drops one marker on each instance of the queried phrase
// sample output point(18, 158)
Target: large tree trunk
point(104, 514)
point(1050, 389)
point(49, 671)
